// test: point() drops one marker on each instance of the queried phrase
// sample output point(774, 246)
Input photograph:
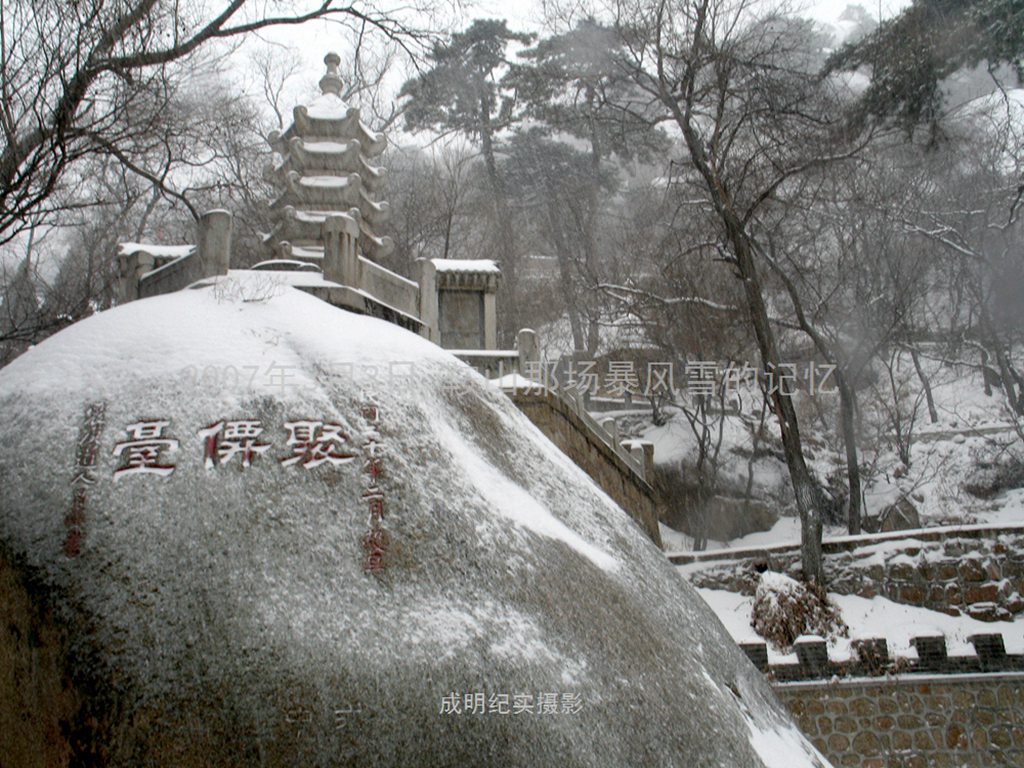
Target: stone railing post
point(341, 262)
point(130, 269)
point(636, 450)
point(648, 464)
point(428, 300)
point(529, 350)
point(214, 243)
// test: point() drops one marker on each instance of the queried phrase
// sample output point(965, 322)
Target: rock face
point(901, 516)
point(239, 527)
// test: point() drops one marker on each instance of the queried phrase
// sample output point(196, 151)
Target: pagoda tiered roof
point(329, 117)
point(325, 169)
point(320, 155)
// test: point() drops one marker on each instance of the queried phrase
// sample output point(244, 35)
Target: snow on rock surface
point(221, 614)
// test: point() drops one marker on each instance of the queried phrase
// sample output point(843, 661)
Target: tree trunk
point(847, 406)
point(933, 415)
point(565, 269)
point(808, 495)
point(506, 234)
point(993, 342)
point(806, 491)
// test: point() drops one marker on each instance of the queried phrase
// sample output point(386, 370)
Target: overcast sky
point(314, 40)
point(528, 13)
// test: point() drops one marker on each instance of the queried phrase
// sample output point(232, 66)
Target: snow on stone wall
point(977, 571)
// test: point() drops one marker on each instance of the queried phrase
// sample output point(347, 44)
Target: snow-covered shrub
point(258, 287)
point(785, 608)
point(996, 469)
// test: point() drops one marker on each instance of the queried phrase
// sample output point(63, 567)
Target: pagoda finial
point(331, 82)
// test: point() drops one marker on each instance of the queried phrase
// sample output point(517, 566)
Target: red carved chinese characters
point(142, 455)
point(377, 540)
point(86, 450)
point(225, 440)
point(315, 443)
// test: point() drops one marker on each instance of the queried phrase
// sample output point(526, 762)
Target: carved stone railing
point(619, 467)
point(361, 284)
point(141, 274)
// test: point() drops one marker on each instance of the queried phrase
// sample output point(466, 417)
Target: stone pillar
point(648, 449)
point(637, 452)
point(529, 348)
point(812, 653)
point(214, 243)
point(341, 262)
point(490, 321)
point(130, 269)
point(428, 300)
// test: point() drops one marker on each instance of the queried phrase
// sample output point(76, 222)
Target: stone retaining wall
point(913, 721)
point(871, 658)
point(580, 442)
point(977, 571)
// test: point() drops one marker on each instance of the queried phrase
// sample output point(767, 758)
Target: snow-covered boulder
point(240, 527)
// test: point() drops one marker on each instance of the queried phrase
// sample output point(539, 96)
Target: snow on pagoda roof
point(325, 181)
point(327, 146)
point(467, 265)
point(314, 217)
point(328, 106)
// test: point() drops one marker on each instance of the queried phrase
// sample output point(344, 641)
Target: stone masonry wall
point(977, 571)
point(564, 429)
point(913, 722)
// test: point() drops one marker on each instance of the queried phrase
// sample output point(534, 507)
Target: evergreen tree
point(910, 55)
point(462, 93)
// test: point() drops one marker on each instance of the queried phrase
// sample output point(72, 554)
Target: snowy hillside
point(961, 473)
point(953, 461)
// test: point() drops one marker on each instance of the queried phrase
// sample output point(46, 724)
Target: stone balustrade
point(871, 658)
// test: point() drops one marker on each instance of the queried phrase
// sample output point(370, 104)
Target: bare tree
point(82, 78)
point(738, 81)
point(968, 214)
point(439, 205)
point(463, 93)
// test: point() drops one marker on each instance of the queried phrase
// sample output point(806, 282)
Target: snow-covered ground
point(785, 531)
point(973, 430)
point(877, 617)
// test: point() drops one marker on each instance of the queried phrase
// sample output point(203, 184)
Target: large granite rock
point(167, 605)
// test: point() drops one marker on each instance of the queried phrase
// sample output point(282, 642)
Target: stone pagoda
point(325, 235)
point(326, 169)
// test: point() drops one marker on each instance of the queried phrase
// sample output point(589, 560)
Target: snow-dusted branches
point(89, 77)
